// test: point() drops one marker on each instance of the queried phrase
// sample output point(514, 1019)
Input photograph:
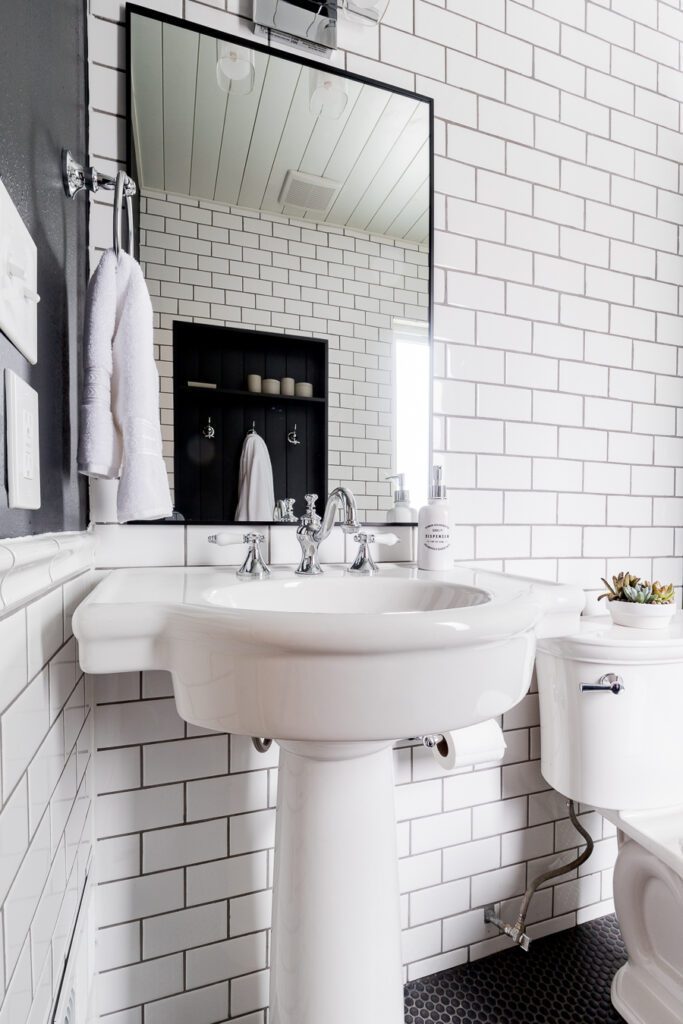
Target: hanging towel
point(99, 443)
point(120, 431)
point(256, 493)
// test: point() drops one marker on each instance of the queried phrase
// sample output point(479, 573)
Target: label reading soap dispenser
point(434, 549)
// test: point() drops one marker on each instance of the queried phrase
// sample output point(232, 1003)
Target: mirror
point(285, 218)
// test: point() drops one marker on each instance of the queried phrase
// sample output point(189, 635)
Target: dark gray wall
point(43, 107)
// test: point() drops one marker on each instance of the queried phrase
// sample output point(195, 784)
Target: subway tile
point(201, 1006)
point(439, 901)
point(500, 884)
point(222, 960)
point(13, 656)
point(186, 844)
point(248, 993)
point(22, 728)
point(464, 929)
point(185, 759)
point(118, 857)
point(117, 946)
point(133, 898)
point(25, 891)
point(184, 929)
point(135, 722)
point(122, 546)
point(132, 811)
point(250, 913)
point(476, 75)
point(221, 796)
point(140, 983)
point(534, 27)
point(471, 858)
point(420, 942)
point(418, 872)
point(503, 49)
point(44, 629)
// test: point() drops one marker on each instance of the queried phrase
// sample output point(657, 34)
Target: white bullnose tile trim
point(29, 566)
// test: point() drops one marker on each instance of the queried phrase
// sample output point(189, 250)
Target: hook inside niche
point(291, 436)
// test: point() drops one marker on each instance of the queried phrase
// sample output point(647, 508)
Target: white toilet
point(612, 737)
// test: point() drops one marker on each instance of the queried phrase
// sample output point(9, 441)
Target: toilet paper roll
point(477, 744)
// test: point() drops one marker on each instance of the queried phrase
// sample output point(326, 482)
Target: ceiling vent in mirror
point(305, 24)
point(308, 192)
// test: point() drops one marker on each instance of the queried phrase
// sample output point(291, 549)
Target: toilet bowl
point(611, 702)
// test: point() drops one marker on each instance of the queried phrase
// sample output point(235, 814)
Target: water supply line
point(516, 931)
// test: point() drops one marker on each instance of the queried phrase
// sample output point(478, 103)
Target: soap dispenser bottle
point(402, 511)
point(434, 549)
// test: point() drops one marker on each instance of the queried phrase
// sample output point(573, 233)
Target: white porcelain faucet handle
point(389, 539)
point(226, 537)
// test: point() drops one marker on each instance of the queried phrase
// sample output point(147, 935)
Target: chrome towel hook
point(77, 178)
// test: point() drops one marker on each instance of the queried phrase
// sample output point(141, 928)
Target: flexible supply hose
point(516, 932)
point(562, 870)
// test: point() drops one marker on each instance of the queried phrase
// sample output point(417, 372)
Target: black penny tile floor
point(563, 979)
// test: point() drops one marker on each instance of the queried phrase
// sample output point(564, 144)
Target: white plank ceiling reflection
point(192, 138)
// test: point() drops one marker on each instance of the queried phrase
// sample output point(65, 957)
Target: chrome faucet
point(313, 530)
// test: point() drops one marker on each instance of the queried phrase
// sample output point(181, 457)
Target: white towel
point(120, 431)
point(256, 493)
point(99, 443)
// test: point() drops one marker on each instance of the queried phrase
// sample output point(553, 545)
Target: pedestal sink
point(336, 669)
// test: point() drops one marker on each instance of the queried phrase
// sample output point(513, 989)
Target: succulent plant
point(641, 593)
point(615, 591)
point(627, 587)
point(662, 594)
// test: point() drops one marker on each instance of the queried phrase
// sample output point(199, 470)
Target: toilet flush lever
point(609, 683)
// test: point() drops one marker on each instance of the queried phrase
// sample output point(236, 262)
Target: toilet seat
point(660, 832)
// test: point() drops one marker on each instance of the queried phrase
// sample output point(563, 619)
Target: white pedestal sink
point(336, 669)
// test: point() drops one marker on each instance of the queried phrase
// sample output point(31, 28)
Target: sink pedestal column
point(336, 941)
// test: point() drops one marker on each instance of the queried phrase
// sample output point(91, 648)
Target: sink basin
point(347, 595)
point(336, 668)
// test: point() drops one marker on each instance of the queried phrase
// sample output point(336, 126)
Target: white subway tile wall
point(557, 394)
point(215, 264)
point(46, 811)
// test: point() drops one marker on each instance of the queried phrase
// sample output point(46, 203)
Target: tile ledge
point(30, 566)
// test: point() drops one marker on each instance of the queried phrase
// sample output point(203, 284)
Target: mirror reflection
point(284, 224)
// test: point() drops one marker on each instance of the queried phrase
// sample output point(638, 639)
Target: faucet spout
point(340, 498)
point(313, 531)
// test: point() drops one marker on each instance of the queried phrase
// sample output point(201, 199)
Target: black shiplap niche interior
point(207, 469)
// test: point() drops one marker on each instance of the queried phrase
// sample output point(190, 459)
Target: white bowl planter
point(641, 616)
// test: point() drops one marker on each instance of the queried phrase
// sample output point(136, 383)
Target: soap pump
point(434, 550)
point(402, 511)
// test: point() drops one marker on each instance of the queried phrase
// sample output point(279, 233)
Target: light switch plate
point(23, 445)
point(18, 280)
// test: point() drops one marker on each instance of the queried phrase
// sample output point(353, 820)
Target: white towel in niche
point(120, 433)
point(256, 493)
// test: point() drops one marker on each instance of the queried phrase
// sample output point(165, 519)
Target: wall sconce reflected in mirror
point(328, 95)
point(235, 71)
point(368, 11)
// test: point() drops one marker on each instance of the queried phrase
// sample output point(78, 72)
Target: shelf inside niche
point(236, 393)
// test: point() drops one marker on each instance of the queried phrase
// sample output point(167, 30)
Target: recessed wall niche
point(214, 412)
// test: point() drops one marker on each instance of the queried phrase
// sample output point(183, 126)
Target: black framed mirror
point(286, 237)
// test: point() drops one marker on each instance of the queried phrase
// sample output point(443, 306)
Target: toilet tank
point(616, 751)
